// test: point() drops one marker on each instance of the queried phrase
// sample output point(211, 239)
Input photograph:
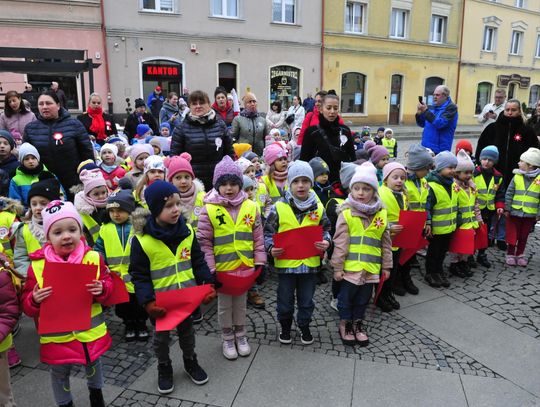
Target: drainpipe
point(460, 51)
point(322, 45)
point(106, 55)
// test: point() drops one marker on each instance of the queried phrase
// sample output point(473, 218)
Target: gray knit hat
point(248, 182)
point(299, 169)
point(444, 160)
point(418, 157)
point(346, 173)
point(319, 166)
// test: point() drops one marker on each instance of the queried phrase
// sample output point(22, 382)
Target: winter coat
point(110, 127)
point(226, 115)
point(139, 267)
point(16, 122)
point(199, 140)
point(74, 352)
point(511, 191)
point(10, 165)
point(512, 137)
point(132, 121)
point(61, 157)
point(251, 131)
point(324, 140)
point(9, 305)
point(155, 103)
point(439, 123)
point(167, 112)
point(20, 184)
point(112, 178)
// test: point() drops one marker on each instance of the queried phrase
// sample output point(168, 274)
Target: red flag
point(68, 308)
point(299, 243)
point(462, 241)
point(179, 304)
point(481, 237)
point(413, 225)
point(379, 287)
point(406, 254)
point(234, 285)
point(120, 293)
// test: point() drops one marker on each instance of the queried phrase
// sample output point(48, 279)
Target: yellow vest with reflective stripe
point(273, 190)
point(169, 271)
point(194, 218)
point(91, 225)
point(261, 195)
point(32, 244)
point(288, 221)
point(365, 245)
point(526, 200)
point(466, 203)
point(417, 198)
point(486, 194)
point(117, 253)
point(233, 242)
point(390, 145)
point(98, 328)
point(444, 213)
point(392, 206)
point(6, 222)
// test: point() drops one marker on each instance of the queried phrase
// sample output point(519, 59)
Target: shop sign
point(158, 71)
point(504, 80)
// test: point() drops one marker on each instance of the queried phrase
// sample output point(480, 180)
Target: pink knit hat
point(92, 179)
point(58, 210)
point(366, 173)
point(178, 163)
point(273, 152)
point(388, 168)
point(464, 162)
point(368, 145)
point(377, 153)
point(138, 149)
point(226, 167)
point(244, 164)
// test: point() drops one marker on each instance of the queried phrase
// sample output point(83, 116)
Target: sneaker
point(229, 349)
point(255, 299)
point(243, 346)
point(142, 335)
point(333, 304)
point(444, 280)
point(165, 378)
point(501, 244)
point(13, 357)
point(422, 252)
point(129, 333)
point(195, 372)
point(511, 260)
point(285, 333)
point(433, 279)
point(360, 334)
point(197, 316)
point(305, 336)
point(522, 261)
point(346, 332)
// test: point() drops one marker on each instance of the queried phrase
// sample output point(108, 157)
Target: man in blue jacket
point(155, 101)
point(438, 120)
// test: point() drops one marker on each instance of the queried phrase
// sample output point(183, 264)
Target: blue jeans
point(353, 300)
point(303, 285)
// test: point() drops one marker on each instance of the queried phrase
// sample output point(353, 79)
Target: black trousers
point(130, 312)
point(437, 249)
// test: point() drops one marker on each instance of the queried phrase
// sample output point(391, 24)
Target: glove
point(262, 277)
point(154, 311)
point(210, 296)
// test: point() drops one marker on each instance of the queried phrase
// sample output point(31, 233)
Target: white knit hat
point(464, 162)
point(110, 147)
point(154, 162)
point(244, 164)
point(366, 173)
point(531, 157)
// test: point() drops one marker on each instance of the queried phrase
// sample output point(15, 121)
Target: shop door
point(395, 99)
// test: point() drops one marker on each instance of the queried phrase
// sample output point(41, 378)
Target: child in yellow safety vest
point(468, 216)
point(154, 169)
point(394, 198)
point(63, 228)
point(114, 243)
point(362, 252)
point(231, 237)
point(91, 202)
point(10, 212)
point(489, 184)
point(522, 205)
point(441, 207)
point(298, 208)
point(390, 143)
point(261, 196)
point(275, 157)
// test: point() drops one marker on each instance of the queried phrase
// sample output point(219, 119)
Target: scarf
point(75, 257)
point(95, 203)
point(371, 208)
point(108, 168)
point(280, 177)
point(37, 231)
point(171, 235)
point(34, 171)
point(187, 200)
point(310, 202)
point(98, 123)
point(222, 112)
point(205, 118)
point(531, 174)
point(250, 114)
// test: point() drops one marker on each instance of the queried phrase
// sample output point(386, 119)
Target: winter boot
point(471, 262)
point(392, 300)
point(255, 299)
point(360, 333)
point(285, 333)
point(165, 378)
point(444, 280)
point(383, 303)
point(408, 284)
point(482, 260)
point(456, 269)
point(397, 283)
point(96, 398)
point(466, 267)
point(195, 371)
point(346, 332)
point(305, 335)
point(433, 279)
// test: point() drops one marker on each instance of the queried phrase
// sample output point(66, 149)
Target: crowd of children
point(145, 216)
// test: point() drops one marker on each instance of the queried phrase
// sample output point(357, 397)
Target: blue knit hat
point(444, 160)
point(491, 153)
point(142, 129)
point(157, 194)
point(7, 135)
point(165, 124)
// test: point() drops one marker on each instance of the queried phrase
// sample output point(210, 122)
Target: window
point(520, 3)
point(488, 44)
point(225, 8)
point(483, 96)
point(68, 84)
point(353, 92)
point(165, 6)
point(284, 84)
point(438, 29)
point(515, 46)
point(431, 83)
point(354, 17)
point(399, 22)
point(533, 95)
point(537, 52)
point(283, 11)
point(227, 75)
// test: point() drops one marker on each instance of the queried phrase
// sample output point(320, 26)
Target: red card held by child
point(481, 237)
point(179, 304)
point(413, 225)
point(234, 285)
point(299, 243)
point(120, 293)
point(68, 308)
point(462, 241)
point(407, 254)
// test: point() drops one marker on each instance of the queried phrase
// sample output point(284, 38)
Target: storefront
point(284, 84)
point(167, 73)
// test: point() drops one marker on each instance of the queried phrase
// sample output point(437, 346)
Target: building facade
point(269, 47)
point(501, 49)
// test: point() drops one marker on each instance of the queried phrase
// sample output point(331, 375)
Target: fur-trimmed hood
point(139, 217)
point(76, 188)
point(189, 203)
point(11, 205)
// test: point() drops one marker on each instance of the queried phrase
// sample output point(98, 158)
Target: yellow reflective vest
point(466, 203)
point(390, 145)
point(417, 197)
point(117, 253)
point(233, 241)
point(288, 221)
point(365, 245)
point(526, 200)
point(32, 244)
point(6, 222)
point(261, 195)
point(486, 193)
point(444, 213)
point(92, 226)
point(98, 328)
point(197, 208)
point(272, 188)
point(168, 270)
point(392, 206)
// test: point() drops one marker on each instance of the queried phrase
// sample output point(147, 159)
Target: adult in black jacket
point(329, 140)
point(203, 135)
point(511, 136)
point(139, 116)
point(62, 142)
point(534, 120)
point(98, 124)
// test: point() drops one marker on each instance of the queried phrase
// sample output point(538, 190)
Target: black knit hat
point(48, 188)
point(139, 103)
point(122, 199)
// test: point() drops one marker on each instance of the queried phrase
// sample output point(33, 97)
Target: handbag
point(289, 119)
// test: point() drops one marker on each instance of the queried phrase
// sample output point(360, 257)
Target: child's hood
point(11, 205)
point(139, 217)
point(82, 206)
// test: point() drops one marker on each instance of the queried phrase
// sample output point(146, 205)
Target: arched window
point(483, 96)
point(227, 75)
point(431, 83)
point(353, 86)
point(533, 95)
